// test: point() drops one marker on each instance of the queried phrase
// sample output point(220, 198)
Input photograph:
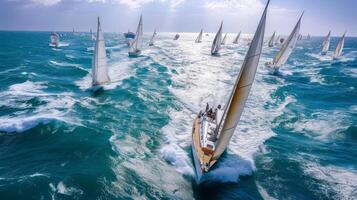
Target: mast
point(199, 37)
point(241, 89)
point(288, 46)
point(326, 43)
point(271, 41)
point(216, 45)
point(136, 45)
point(224, 39)
point(99, 65)
point(237, 38)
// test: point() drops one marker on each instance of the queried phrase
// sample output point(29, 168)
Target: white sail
point(339, 48)
point(216, 45)
point(99, 65)
point(277, 41)
point(272, 40)
point(152, 38)
point(241, 89)
point(224, 39)
point(199, 37)
point(237, 38)
point(135, 47)
point(326, 43)
point(288, 46)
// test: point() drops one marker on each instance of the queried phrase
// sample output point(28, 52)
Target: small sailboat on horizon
point(224, 39)
point(99, 64)
point(339, 47)
point(92, 35)
point(216, 45)
point(135, 46)
point(152, 39)
point(272, 40)
point(213, 129)
point(199, 37)
point(289, 44)
point(176, 37)
point(235, 41)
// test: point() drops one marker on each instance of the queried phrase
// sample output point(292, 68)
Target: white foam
point(54, 107)
point(342, 181)
point(21, 124)
point(321, 125)
point(65, 64)
point(63, 189)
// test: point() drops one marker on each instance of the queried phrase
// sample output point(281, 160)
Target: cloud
point(233, 4)
point(134, 3)
point(46, 2)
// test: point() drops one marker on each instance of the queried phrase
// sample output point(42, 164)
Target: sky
point(180, 15)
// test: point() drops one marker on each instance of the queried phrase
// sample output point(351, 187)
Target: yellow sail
point(241, 89)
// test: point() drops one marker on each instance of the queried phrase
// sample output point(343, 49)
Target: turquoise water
point(297, 138)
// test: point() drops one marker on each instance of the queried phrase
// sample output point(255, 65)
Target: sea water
point(297, 138)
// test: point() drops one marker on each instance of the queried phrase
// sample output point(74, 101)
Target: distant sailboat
point(212, 130)
point(235, 41)
point(177, 36)
point(340, 45)
point(99, 65)
point(54, 39)
point(135, 46)
point(199, 37)
point(326, 44)
point(151, 43)
point(287, 48)
point(224, 39)
point(277, 41)
point(92, 35)
point(216, 45)
point(272, 40)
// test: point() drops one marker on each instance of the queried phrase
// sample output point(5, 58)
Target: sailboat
point(199, 37)
point(272, 40)
point(177, 36)
point(235, 41)
point(99, 65)
point(151, 43)
point(224, 39)
point(216, 45)
point(92, 35)
point(287, 48)
point(135, 46)
point(54, 39)
point(326, 44)
point(212, 130)
point(340, 45)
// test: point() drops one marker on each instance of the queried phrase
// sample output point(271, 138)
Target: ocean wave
point(61, 188)
point(24, 123)
point(342, 181)
point(65, 64)
point(321, 125)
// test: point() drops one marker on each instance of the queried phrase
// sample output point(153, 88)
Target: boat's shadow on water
point(230, 178)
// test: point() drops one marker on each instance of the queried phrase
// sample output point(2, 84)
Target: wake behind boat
point(283, 55)
point(213, 128)
point(99, 65)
